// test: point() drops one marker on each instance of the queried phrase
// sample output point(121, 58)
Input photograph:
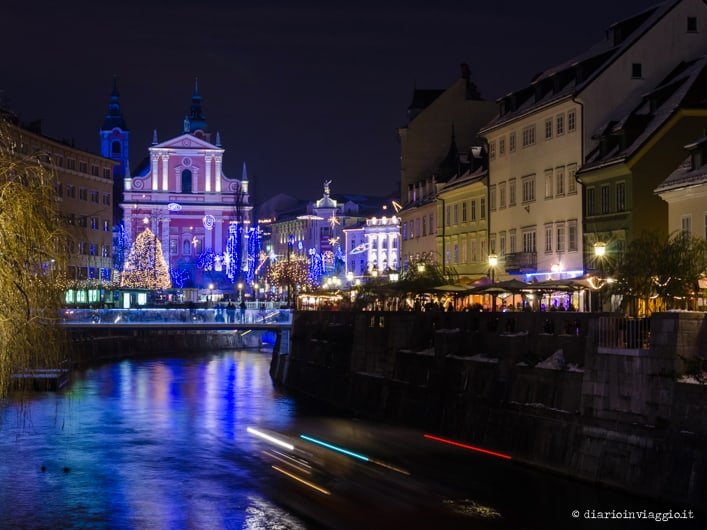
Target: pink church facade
point(183, 196)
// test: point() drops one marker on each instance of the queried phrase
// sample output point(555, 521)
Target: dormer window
point(637, 71)
point(692, 24)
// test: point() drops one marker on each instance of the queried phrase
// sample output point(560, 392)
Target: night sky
point(302, 94)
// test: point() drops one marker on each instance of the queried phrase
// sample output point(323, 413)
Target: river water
point(163, 443)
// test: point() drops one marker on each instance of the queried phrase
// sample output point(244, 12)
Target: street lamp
point(211, 293)
point(240, 292)
point(493, 261)
point(255, 290)
point(420, 268)
point(599, 253)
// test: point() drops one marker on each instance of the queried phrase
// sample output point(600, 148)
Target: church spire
point(114, 118)
point(197, 120)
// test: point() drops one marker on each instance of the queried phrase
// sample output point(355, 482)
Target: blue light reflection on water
point(149, 444)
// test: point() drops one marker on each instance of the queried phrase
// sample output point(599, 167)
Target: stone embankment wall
point(532, 385)
point(91, 345)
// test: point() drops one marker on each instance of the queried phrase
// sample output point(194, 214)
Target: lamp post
point(240, 292)
point(493, 262)
point(599, 253)
point(211, 293)
point(420, 268)
point(255, 291)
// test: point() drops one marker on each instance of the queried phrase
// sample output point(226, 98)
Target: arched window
point(186, 181)
point(115, 149)
point(186, 247)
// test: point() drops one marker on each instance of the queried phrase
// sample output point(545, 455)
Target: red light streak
point(470, 447)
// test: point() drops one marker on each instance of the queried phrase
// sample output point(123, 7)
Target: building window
point(71, 219)
point(94, 223)
point(473, 210)
point(106, 225)
point(115, 149)
point(448, 215)
point(686, 224)
point(512, 240)
point(464, 212)
point(572, 236)
point(529, 241)
point(560, 124)
point(571, 180)
point(492, 243)
point(411, 229)
point(548, 183)
point(464, 246)
point(560, 180)
point(94, 196)
point(105, 252)
point(492, 150)
point(82, 221)
point(93, 249)
point(605, 198)
point(83, 167)
point(482, 208)
point(502, 243)
point(432, 223)
point(492, 198)
point(548, 239)
point(636, 70)
point(560, 237)
point(529, 189)
point(502, 146)
point(502, 194)
point(528, 135)
point(106, 199)
point(512, 192)
point(548, 128)
point(474, 253)
point(590, 201)
point(173, 247)
point(571, 121)
point(512, 142)
point(83, 194)
point(692, 24)
point(424, 226)
point(456, 253)
point(456, 214)
point(94, 170)
point(620, 196)
point(70, 163)
point(405, 231)
point(186, 181)
point(186, 247)
point(106, 173)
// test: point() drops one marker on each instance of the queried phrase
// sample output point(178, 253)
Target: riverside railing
point(176, 316)
point(623, 333)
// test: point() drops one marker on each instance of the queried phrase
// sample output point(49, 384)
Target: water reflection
point(146, 444)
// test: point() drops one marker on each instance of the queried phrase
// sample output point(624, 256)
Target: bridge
point(278, 321)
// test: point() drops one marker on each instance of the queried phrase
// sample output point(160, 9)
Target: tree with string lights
point(146, 267)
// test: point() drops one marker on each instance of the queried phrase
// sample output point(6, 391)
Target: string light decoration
point(230, 256)
point(316, 267)
point(290, 273)
point(146, 267)
point(120, 245)
point(253, 251)
point(178, 277)
point(205, 260)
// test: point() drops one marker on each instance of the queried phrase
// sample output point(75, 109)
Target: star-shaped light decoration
point(333, 220)
point(333, 240)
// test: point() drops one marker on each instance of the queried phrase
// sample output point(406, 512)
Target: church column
point(217, 188)
point(165, 172)
point(155, 182)
point(207, 183)
point(165, 240)
point(218, 235)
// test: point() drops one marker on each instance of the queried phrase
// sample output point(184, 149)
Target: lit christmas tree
point(146, 267)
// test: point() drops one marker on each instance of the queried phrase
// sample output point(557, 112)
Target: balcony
point(521, 262)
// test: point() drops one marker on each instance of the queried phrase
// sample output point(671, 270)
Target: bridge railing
point(177, 316)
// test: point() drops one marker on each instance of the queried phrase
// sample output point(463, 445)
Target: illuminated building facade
point(201, 217)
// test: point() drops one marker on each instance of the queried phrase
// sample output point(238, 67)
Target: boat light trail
point(470, 447)
point(271, 439)
point(303, 481)
point(334, 448)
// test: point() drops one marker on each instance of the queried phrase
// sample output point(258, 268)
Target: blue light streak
point(334, 448)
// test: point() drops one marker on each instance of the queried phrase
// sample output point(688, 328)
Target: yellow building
point(462, 231)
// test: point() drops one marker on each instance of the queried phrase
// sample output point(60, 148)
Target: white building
point(545, 130)
point(373, 247)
